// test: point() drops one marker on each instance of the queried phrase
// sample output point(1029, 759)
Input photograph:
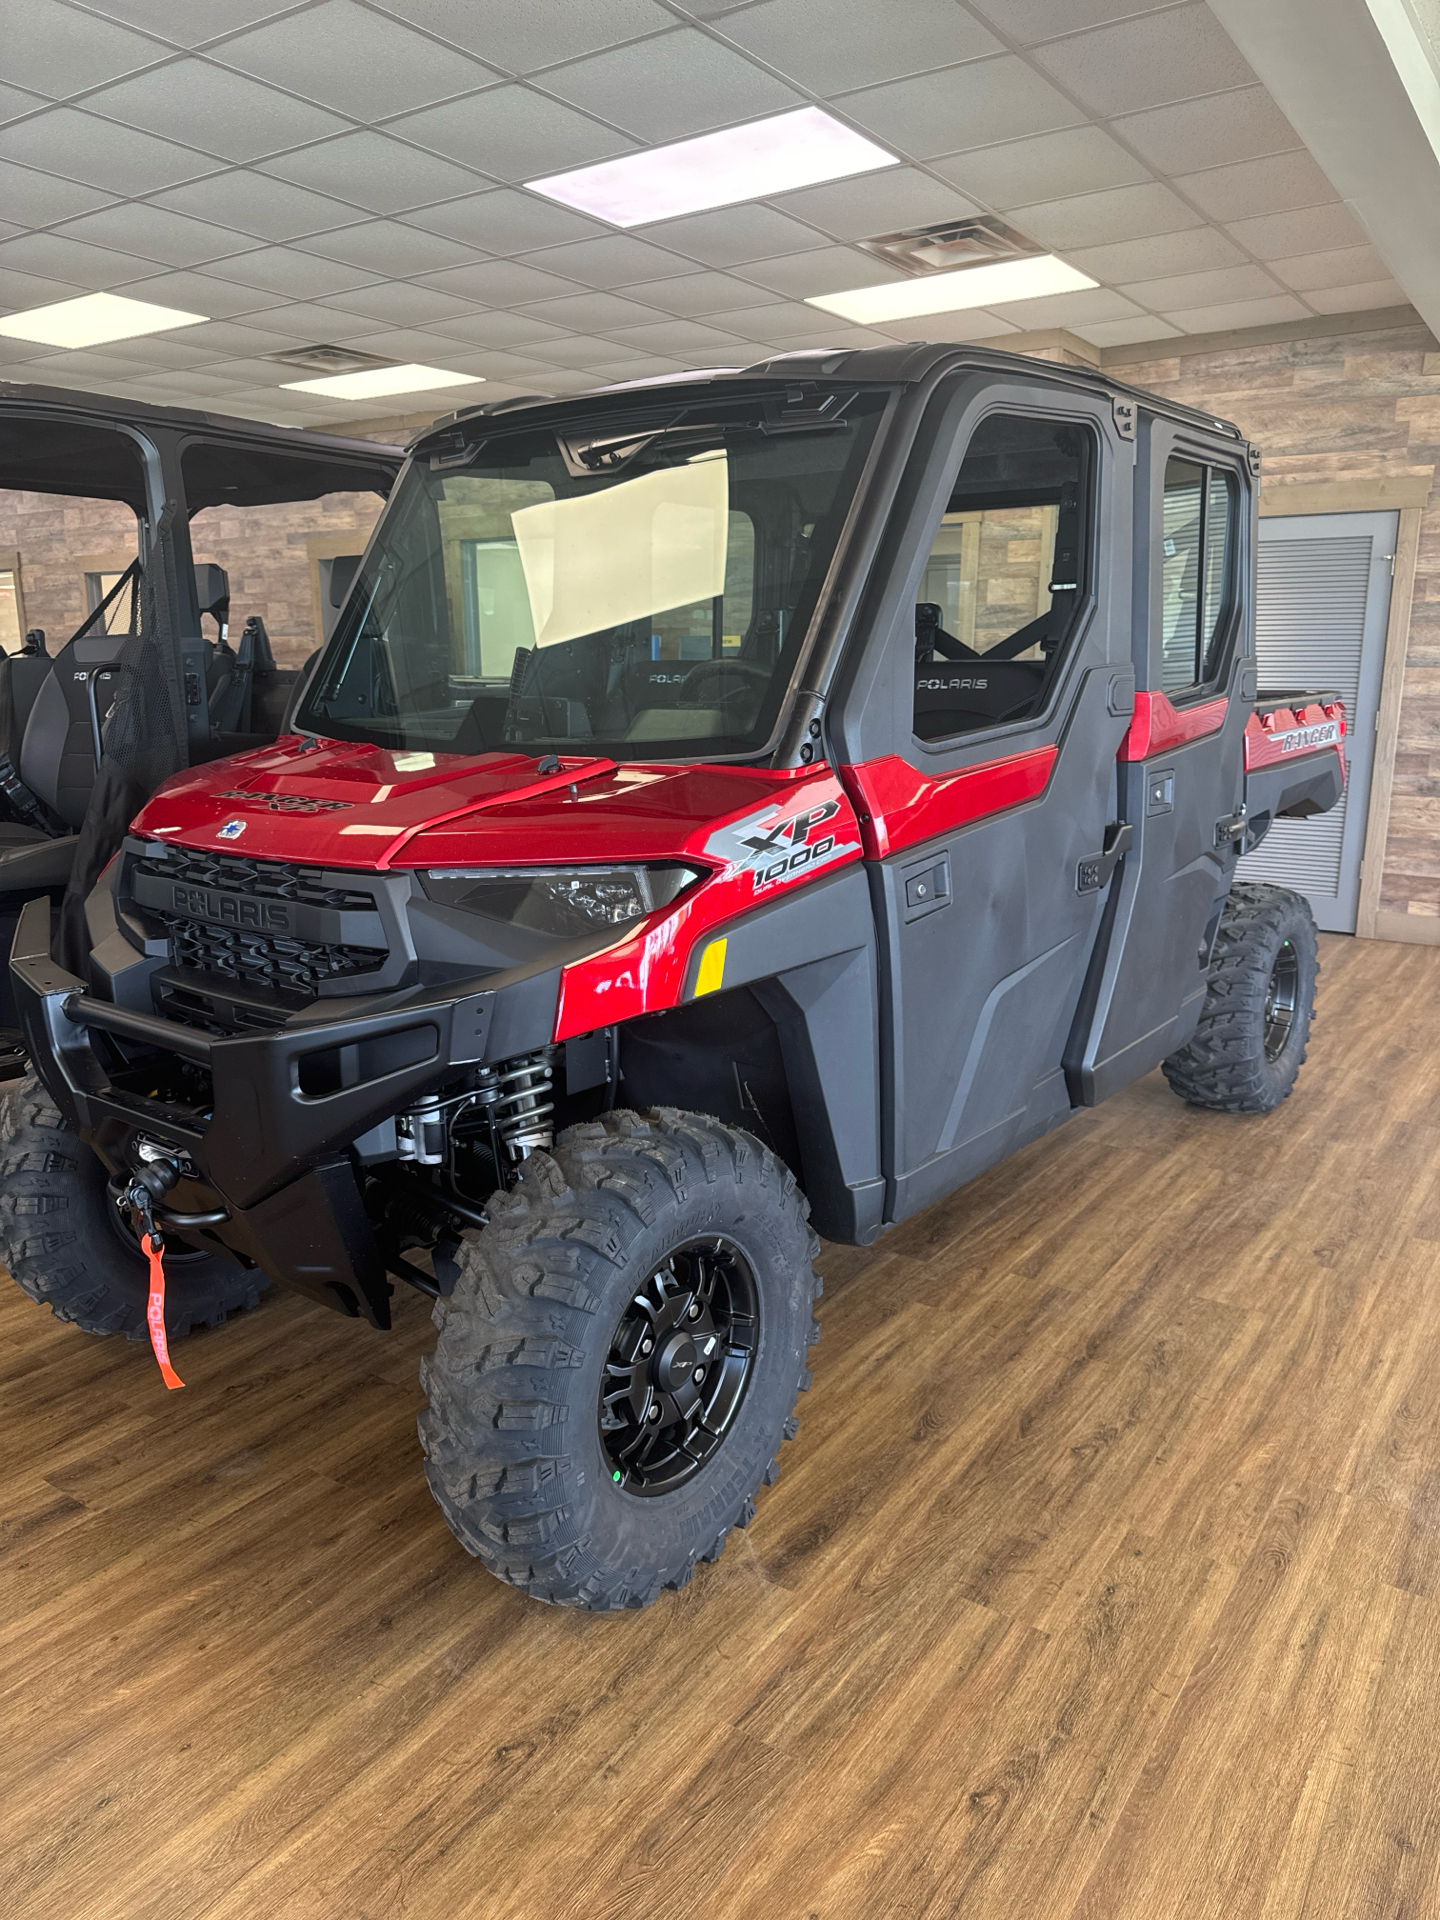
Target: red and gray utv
point(726, 809)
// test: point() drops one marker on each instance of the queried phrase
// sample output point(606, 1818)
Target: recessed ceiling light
point(988, 286)
point(382, 380)
point(93, 319)
point(790, 150)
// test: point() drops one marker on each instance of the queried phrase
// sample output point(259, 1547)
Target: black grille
point(265, 960)
point(247, 957)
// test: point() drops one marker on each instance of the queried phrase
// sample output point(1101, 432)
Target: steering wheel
point(712, 683)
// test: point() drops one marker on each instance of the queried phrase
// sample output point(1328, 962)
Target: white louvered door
point(1322, 601)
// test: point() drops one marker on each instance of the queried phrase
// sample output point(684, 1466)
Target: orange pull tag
point(155, 1313)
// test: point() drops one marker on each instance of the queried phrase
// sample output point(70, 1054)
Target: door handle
point(1094, 871)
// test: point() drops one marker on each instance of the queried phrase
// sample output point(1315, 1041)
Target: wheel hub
point(678, 1366)
point(1282, 995)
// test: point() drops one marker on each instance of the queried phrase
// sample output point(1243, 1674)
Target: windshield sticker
point(776, 846)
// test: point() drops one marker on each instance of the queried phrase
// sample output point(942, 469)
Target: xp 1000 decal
point(781, 843)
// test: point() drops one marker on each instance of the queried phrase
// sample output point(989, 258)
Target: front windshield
point(639, 589)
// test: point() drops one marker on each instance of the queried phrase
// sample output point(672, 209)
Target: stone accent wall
point(1358, 406)
point(271, 554)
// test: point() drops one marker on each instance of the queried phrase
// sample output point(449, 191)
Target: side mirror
point(343, 569)
point(212, 591)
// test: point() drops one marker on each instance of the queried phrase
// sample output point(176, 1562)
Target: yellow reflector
point(711, 976)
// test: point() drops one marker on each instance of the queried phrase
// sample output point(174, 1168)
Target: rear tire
point(565, 1452)
point(67, 1248)
point(1244, 1055)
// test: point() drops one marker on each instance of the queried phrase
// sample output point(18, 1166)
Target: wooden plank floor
point(1103, 1582)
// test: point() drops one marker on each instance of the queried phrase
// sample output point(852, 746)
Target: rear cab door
point(1181, 764)
point(978, 728)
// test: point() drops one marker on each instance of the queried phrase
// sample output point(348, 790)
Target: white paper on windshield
point(638, 548)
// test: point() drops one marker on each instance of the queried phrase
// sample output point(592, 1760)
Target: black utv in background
point(186, 692)
point(725, 809)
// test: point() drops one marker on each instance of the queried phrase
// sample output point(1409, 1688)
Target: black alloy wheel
point(1281, 997)
point(678, 1366)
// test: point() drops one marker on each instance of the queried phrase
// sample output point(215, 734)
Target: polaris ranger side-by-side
point(725, 807)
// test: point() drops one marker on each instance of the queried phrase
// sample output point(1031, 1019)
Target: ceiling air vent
point(323, 359)
point(955, 243)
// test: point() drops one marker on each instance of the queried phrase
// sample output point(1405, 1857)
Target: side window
point(1005, 577)
point(1197, 542)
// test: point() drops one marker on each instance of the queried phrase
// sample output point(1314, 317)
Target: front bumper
point(272, 1156)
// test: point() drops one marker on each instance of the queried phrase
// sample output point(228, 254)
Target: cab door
point(1182, 762)
point(988, 721)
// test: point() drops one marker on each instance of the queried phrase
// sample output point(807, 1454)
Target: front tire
point(577, 1462)
point(1249, 1046)
point(66, 1246)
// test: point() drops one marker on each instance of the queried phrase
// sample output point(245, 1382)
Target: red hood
point(345, 804)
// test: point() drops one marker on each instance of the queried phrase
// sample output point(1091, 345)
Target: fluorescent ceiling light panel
point(93, 319)
point(376, 381)
point(988, 286)
point(789, 150)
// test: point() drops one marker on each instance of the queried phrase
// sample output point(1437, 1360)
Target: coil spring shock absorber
point(516, 1096)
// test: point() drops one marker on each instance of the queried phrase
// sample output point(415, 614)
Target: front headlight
point(567, 902)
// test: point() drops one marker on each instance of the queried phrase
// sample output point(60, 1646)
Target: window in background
point(1198, 535)
point(117, 614)
point(12, 610)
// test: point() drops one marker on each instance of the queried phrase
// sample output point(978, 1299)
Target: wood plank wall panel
point(1102, 1582)
point(1354, 406)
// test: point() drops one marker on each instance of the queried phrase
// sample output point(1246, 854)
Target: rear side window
point(1003, 583)
point(1196, 569)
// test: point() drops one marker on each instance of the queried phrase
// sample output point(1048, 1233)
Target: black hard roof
point(54, 440)
point(883, 366)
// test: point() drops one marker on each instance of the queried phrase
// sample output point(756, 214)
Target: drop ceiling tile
point(17, 353)
point(1126, 333)
point(423, 344)
point(574, 350)
point(193, 23)
point(501, 283)
point(826, 270)
point(511, 133)
point(155, 233)
point(168, 350)
point(1047, 166)
point(969, 106)
point(400, 303)
point(775, 322)
point(1340, 267)
point(1031, 20)
point(874, 203)
point(1068, 309)
point(674, 336)
point(508, 220)
point(371, 170)
point(178, 385)
point(1094, 219)
point(40, 199)
point(535, 34)
point(698, 293)
point(594, 312)
point(1239, 313)
point(285, 270)
point(58, 52)
point(634, 367)
point(198, 293)
point(300, 321)
point(1190, 252)
point(828, 45)
point(253, 203)
point(974, 324)
point(1253, 187)
point(730, 235)
point(1361, 299)
point(79, 147)
point(354, 61)
point(14, 102)
point(52, 257)
point(1204, 289)
point(678, 84)
point(1274, 236)
point(1212, 132)
point(616, 260)
point(392, 248)
point(497, 329)
point(1145, 62)
point(229, 340)
point(214, 110)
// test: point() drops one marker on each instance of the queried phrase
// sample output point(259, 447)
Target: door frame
point(1405, 495)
